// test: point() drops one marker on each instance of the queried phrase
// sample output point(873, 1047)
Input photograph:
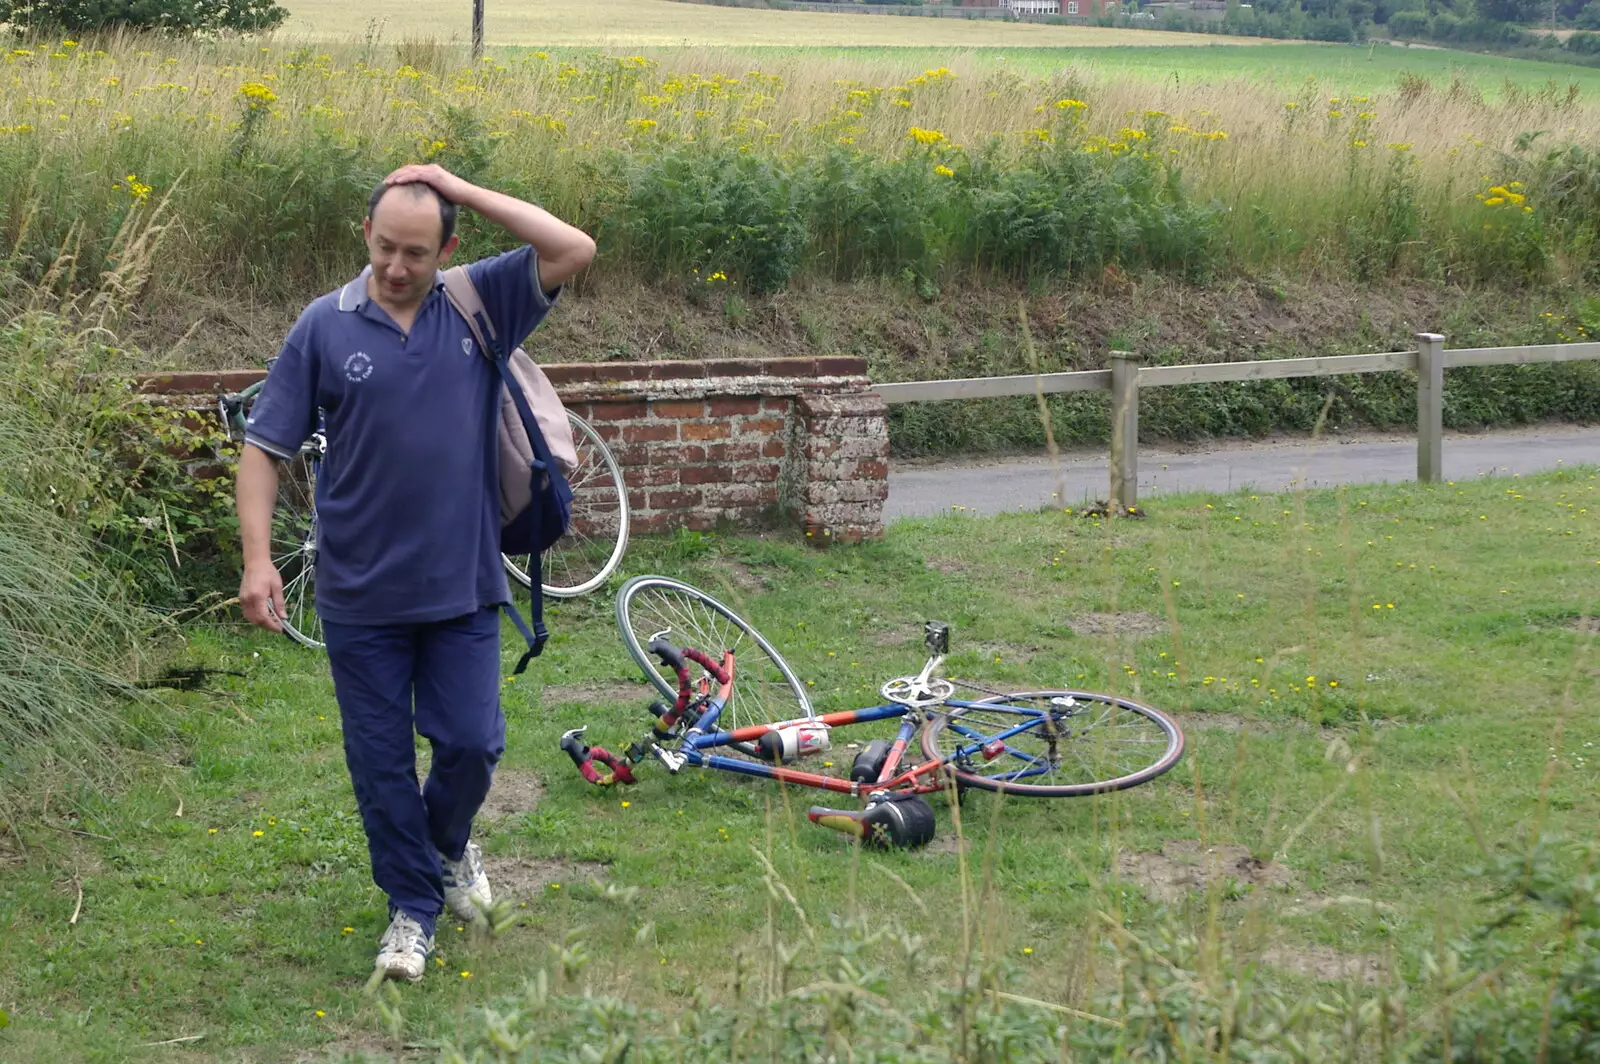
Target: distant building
point(1085, 8)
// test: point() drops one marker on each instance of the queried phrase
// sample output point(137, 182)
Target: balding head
point(417, 190)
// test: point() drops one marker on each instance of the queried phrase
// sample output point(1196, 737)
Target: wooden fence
point(1126, 376)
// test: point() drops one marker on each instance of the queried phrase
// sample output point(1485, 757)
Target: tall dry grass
point(268, 186)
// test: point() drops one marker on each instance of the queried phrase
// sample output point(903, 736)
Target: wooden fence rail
point(1126, 376)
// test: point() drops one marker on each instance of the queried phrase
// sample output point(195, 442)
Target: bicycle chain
point(969, 685)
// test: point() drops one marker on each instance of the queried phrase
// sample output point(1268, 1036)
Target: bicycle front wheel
point(593, 546)
point(1054, 744)
point(765, 689)
point(294, 546)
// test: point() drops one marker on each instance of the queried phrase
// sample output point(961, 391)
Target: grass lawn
point(1373, 681)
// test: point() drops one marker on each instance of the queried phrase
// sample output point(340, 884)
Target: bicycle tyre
point(765, 692)
point(594, 544)
point(943, 738)
point(294, 545)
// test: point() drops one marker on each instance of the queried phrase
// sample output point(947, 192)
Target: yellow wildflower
point(257, 94)
point(944, 171)
point(925, 136)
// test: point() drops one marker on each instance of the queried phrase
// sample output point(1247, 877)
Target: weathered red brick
point(653, 523)
point(746, 472)
point(774, 449)
point(679, 408)
point(777, 405)
point(674, 500)
point(792, 367)
point(763, 426)
point(706, 430)
point(730, 407)
point(620, 371)
point(650, 433)
point(733, 452)
point(706, 474)
point(654, 476)
point(735, 367)
point(205, 382)
point(732, 495)
point(841, 366)
point(872, 468)
point(631, 411)
point(570, 372)
point(672, 371)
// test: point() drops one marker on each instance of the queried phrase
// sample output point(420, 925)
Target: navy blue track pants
point(443, 678)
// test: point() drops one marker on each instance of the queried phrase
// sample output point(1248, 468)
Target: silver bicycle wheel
point(1054, 744)
point(593, 546)
point(765, 689)
point(294, 544)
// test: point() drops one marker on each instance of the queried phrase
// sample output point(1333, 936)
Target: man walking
point(409, 578)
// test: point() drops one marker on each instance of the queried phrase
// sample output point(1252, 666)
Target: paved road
point(1027, 484)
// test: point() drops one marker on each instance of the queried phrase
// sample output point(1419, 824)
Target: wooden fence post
point(1430, 407)
point(1124, 428)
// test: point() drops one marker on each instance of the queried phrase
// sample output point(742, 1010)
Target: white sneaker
point(466, 888)
point(403, 950)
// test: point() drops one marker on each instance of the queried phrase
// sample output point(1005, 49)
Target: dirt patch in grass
point(949, 566)
point(362, 1046)
point(736, 575)
point(520, 878)
point(515, 791)
point(1584, 625)
point(892, 635)
point(1230, 723)
point(946, 843)
point(1007, 653)
point(610, 693)
point(1134, 623)
point(1185, 867)
point(1325, 962)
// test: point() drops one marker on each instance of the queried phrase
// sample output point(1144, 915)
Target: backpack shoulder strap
point(463, 295)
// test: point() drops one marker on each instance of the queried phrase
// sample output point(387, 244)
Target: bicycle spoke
point(1053, 740)
point(763, 690)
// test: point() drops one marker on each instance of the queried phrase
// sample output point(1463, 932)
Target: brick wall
point(748, 442)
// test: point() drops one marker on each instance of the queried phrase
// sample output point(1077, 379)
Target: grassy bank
point(1386, 698)
point(849, 168)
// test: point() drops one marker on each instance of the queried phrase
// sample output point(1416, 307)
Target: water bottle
point(788, 744)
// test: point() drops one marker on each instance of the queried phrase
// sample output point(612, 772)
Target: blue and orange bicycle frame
point(696, 743)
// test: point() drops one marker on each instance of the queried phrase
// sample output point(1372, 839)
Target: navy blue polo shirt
point(407, 499)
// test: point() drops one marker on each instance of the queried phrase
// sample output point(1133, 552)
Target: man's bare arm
point(255, 496)
point(564, 250)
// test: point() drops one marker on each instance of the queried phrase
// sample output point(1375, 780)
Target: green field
point(1397, 676)
point(1362, 69)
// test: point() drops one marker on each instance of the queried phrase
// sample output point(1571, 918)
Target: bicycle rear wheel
point(1054, 744)
point(598, 535)
point(294, 544)
point(765, 689)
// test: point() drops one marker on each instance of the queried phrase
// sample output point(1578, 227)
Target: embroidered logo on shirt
point(358, 367)
point(466, 345)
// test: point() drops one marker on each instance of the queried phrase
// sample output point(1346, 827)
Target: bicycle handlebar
point(584, 757)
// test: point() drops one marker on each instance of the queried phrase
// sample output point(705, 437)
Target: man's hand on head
point(442, 181)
